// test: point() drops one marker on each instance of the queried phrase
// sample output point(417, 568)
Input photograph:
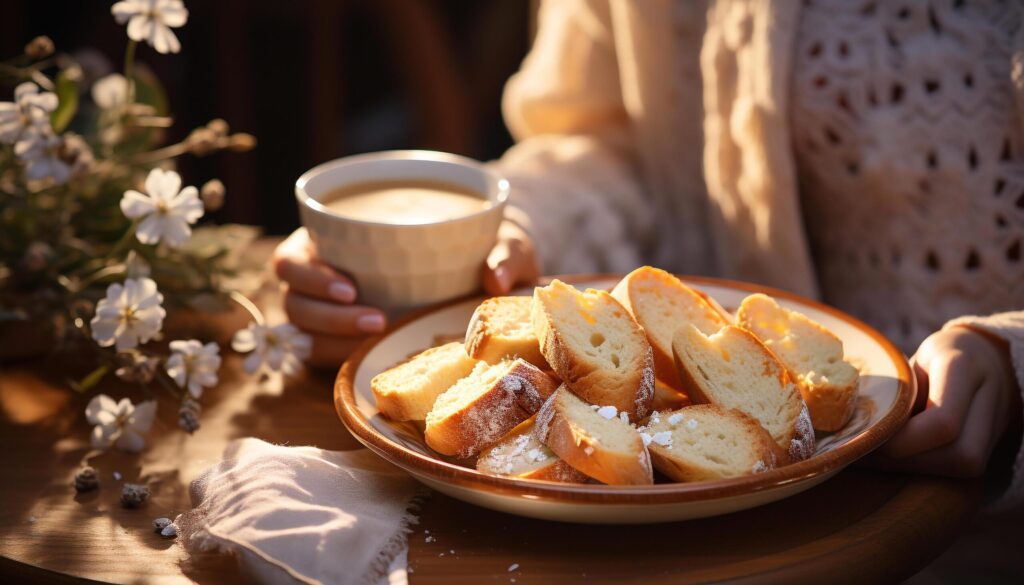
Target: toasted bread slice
point(501, 329)
point(706, 442)
point(667, 398)
point(813, 355)
point(408, 390)
point(478, 409)
point(661, 304)
point(595, 347)
point(607, 449)
point(520, 454)
point(733, 369)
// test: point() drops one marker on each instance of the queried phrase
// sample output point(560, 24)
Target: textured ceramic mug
point(398, 267)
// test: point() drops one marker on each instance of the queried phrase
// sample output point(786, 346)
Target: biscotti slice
point(501, 329)
point(813, 354)
point(594, 441)
point(706, 442)
point(408, 390)
point(661, 304)
point(480, 408)
point(520, 454)
point(733, 369)
point(595, 347)
point(667, 398)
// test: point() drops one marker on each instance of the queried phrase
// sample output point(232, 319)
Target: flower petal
point(135, 204)
point(142, 418)
point(24, 90)
point(176, 231)
point(188, 205)
point(173, 13)
point(102, 436)
point(252, 363)
point(140, 27)
point(99, 403)
point(244, 339)
point(130, 441)
point(151, 230)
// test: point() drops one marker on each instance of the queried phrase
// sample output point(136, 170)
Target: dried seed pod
point(134, 495)
point(86, 479)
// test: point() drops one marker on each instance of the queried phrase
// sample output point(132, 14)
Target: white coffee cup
point(398, 267)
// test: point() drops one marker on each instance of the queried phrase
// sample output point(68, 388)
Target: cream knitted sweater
point(739, 138)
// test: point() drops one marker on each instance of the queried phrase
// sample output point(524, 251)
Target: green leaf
point(90, 381)
point(67, 98)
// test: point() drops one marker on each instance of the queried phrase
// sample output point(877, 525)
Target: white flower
point(278, 348)
point(119, 423)
point(167, 211)
point(110, 92)
point(194, 365)
point(27, 115)
point(151, 21)
point(129, 315)
point(41, 154)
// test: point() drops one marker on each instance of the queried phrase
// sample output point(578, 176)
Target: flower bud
point(202, 141)
point(40, 47)
point(219, 126)
point(241, 142)
point(212, 195)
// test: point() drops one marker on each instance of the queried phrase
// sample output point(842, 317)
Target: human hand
point(320, 301)
point(968, 382)
point(512, 261)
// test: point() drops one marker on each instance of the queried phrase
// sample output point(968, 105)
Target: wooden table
point(862, 526)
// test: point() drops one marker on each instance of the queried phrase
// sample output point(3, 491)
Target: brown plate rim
point(668, 493)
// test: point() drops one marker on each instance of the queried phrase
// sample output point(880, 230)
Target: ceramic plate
point(886, 396)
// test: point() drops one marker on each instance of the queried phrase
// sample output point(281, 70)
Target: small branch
point(129, 72)
point(249, 306)
point(160, 154)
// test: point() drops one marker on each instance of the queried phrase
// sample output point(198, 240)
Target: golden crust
point(513, 398)
point(677, 466)
point(798, 441)
point(628, 292)
point(576, 446)
point(585, 377)
point(483, 342)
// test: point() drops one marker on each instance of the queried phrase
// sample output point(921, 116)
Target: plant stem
point(249, 306)
point(129, 72)
point(124, 241)
point(160, 154)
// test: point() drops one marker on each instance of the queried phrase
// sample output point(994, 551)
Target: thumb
point(510, 262)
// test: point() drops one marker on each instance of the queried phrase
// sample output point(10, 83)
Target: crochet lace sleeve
point(1009, 326)
point(574, 186)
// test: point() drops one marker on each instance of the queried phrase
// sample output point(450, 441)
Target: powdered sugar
point(607, 412)
point(646, 438)
point(759, 467)
point(542, 424)
point(802, 445)
point(645, 393)
point(675, 418)
point(691, 424)
point(663, 438)
point(525, 391)
point(588, 450)
point(624, 417)
point(536, 455)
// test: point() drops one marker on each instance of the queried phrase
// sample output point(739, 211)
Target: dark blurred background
point(312, 79)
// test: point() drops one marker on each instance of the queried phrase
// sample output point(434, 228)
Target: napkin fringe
point(398, 541)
